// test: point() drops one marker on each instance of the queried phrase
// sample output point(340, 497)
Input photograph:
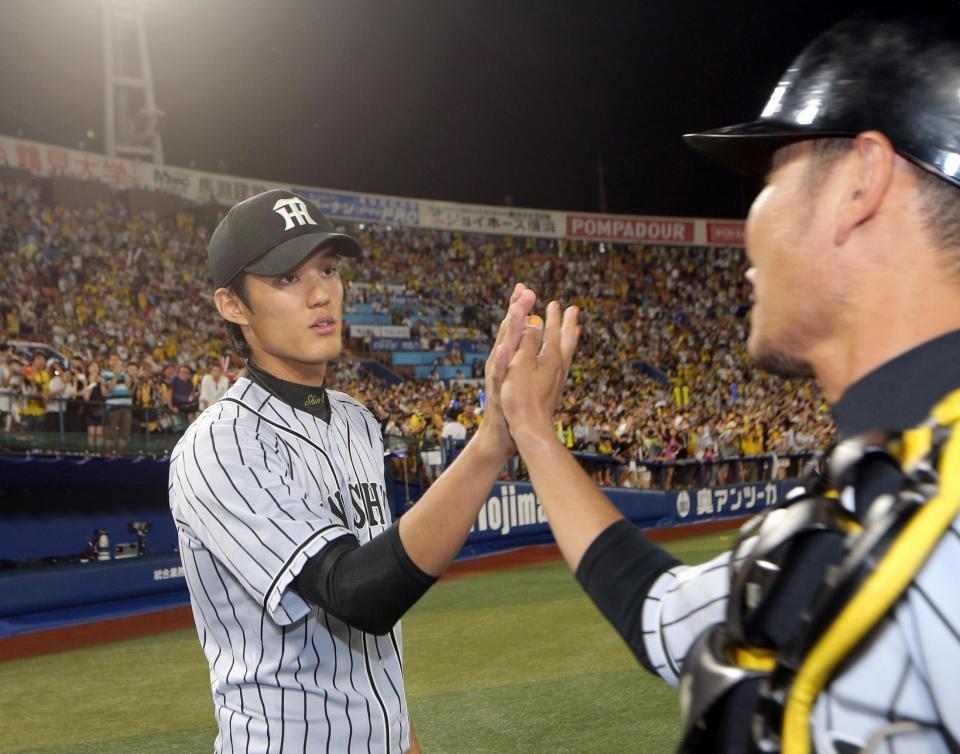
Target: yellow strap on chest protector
point(885, 585)
point(753, 658)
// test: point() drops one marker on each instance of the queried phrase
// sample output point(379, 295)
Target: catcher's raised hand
point(538, 370)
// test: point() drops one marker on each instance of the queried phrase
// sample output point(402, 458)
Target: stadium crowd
point(661, 374)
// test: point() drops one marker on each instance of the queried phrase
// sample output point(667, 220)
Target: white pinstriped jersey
point(256, 488)
point(899, 693)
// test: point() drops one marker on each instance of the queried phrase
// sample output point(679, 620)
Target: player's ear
point(230, 306)
point(868, 176)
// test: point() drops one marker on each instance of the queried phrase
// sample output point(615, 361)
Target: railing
point(150, 430)
point(155, 430)
point(413, 463)
point(683, 474)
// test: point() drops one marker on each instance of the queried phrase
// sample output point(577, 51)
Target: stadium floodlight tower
point(130, 106)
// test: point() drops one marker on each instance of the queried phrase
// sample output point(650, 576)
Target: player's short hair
point(238, 287)
point(939, 199)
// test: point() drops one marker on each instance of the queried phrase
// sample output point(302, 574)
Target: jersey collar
point(899, 394)
point(307, 398)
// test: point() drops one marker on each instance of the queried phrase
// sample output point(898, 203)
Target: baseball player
point(834, 623)
point(297, 575)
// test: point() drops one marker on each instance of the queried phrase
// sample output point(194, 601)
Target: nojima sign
point(513, 515)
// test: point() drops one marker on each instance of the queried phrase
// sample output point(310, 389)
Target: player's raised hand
point(531, 389)
point(494, 429)
point(511, 329)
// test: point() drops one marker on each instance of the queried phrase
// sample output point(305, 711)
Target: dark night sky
point(462, 100)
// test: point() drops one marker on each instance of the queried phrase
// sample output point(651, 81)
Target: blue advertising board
point(513, 516)
point(375, 209)
point(394, 344)
point(38, 523)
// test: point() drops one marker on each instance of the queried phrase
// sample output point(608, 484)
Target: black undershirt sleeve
point(617, 571)
point(369, 586)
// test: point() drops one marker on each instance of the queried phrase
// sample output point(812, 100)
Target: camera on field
point(141, 529)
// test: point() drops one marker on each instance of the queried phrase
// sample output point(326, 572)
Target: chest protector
point(810, 580)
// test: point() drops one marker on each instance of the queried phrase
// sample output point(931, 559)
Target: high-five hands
point(530, 392)
point(575, 507)
point(494, 428)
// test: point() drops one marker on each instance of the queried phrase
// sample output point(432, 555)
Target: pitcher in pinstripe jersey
point(297, 575)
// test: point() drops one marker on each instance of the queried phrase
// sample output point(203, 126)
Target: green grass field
point(515, 661)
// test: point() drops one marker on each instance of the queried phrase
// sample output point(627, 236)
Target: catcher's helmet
point(894, 71)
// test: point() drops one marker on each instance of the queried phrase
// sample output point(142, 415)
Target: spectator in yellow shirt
point(36, 381)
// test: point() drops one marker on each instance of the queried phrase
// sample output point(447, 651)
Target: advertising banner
point(394, 344)
point(46, 160)
point(198, 186)
point(689, 506)
point(630, 229)
point(380, 331)
point(513, 516)
point(201, 187)
point(725, 233)
point(362, 207)
point(394, 288)
point(468, 218)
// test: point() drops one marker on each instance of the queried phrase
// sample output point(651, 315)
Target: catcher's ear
point(230, 306)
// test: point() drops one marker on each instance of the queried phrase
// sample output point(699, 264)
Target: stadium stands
point(661, 376)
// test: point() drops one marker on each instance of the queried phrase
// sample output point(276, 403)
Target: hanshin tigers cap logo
point(270, 234)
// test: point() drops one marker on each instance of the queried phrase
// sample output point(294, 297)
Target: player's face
point(788, 242)
point(296, 319)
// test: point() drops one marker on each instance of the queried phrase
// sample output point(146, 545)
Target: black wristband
point(617, 571)
point(370, 586)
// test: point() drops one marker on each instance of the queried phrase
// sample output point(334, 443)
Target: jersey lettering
point(359, 509)
point(371, 501)
point(335, 503)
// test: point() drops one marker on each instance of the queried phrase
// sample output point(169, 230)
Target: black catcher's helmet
point(893, 71)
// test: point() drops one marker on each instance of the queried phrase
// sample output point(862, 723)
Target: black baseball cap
point(270, 234)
